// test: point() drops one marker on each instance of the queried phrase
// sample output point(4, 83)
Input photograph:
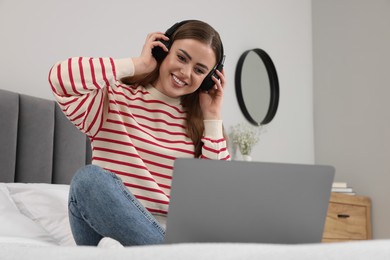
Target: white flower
point(245, 136)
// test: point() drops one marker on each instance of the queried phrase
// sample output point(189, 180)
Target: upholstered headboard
point(37, 142)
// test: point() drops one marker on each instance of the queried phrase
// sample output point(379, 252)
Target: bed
point(39, 152)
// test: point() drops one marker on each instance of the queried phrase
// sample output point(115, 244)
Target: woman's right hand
point(146, 63)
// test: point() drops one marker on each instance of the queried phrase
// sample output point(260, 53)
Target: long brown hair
point(203, 32)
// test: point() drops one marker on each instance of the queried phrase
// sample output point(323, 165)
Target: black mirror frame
point(274, 85)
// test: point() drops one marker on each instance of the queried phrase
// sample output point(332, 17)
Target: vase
point(246, 157)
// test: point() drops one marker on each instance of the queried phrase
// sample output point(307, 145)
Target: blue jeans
point(101, 206)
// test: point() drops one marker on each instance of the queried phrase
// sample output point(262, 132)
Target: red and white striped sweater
point(135, 132)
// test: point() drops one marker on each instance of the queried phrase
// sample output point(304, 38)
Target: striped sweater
point(135, 132)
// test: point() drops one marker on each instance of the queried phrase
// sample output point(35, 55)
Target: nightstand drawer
point(346, 221)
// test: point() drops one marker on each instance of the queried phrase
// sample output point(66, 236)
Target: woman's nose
point(185, 70)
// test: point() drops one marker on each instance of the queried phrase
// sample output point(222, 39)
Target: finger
point(221, 81)
point(217, 85)
point(159, 36)
point(155, 37)
point(221, 76)
point(160, 44)
point(158, 41)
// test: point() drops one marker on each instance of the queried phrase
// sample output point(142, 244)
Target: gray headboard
point(37, 142)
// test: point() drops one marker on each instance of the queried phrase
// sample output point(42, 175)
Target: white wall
point(36, 34)
point(351, 94)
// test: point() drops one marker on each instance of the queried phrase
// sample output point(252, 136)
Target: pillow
point(47, 205)
point(16, 225)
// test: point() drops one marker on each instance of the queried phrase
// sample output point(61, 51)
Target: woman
point(140, 114)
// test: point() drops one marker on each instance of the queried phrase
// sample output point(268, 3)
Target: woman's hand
point(211, 100)
point(146, 63)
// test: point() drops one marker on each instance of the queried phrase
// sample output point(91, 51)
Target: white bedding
point(34, 225)
point(35, 211)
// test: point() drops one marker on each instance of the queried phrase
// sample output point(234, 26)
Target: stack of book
point(342, 187)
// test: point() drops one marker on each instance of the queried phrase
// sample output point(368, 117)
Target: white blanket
point(378, 250)
point(34, 225)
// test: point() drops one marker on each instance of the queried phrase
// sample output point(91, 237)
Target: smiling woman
point(141, 114)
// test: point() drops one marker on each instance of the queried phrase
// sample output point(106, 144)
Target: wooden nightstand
point(348, 218)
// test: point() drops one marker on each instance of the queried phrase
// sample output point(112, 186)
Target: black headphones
point(159, 54)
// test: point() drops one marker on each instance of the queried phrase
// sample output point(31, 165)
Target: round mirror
point(257, 86)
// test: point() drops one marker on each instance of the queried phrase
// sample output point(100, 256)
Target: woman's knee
point(87, 178)
point(86, 173)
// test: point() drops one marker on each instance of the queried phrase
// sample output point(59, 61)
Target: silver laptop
point(248, 202)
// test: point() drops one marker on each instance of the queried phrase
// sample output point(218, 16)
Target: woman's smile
point(178, 82)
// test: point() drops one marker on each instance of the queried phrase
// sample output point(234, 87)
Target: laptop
point(247, 202)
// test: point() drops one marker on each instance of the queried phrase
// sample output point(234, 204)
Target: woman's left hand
point(211, 100)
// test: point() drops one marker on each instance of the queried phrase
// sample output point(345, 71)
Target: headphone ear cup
point(158, 53)
point(208, 82)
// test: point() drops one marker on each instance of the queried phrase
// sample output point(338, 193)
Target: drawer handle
point(342, 215)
